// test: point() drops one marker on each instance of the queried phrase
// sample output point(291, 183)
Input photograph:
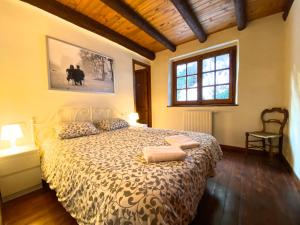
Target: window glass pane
point(192, 68)
point(192, 81)
point(222, 77)
point(208, 93)
point(222, 61)
point(222, 92)
point(192, 94)
point(208, 79)
point(208, 64)
point(181, 82)
point(181, 70)
point(205, 78)
point(181, 95)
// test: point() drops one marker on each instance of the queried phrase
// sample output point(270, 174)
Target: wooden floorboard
point(246, 190)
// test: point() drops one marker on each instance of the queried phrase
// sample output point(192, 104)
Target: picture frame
point(74, 68)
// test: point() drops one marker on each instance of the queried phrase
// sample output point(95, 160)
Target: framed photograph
point(72, 68)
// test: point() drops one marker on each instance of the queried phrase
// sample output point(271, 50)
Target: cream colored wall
point(259, 80)
point(24, 86)
point(23, 70)
point(292, 86)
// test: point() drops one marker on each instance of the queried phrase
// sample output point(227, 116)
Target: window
point(207, 79)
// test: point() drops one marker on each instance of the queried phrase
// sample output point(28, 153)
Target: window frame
point(232, 51)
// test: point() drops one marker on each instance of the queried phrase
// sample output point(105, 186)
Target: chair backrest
point(281, 122)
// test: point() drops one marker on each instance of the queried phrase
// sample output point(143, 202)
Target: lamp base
point(13, 144)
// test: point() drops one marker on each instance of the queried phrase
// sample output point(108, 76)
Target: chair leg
point(280, 146)
point(263, 144)
point(247, 142)
point(270, 148)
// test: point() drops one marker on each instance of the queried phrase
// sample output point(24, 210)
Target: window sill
point(208, 105)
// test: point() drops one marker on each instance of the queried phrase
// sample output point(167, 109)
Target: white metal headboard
point(69, 114)
point(92, 114)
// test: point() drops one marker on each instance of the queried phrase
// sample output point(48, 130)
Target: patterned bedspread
point(104, 179)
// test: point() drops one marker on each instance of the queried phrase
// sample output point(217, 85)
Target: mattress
point(104, 179)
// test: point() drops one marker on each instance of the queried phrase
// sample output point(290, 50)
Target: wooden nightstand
point(20, 171)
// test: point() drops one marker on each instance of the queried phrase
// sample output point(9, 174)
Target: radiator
point(198, 121)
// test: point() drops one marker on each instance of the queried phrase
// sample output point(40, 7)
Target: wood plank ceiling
point(166, 18)
point(214, 15)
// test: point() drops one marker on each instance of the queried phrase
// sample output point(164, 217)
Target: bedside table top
point(15, 151)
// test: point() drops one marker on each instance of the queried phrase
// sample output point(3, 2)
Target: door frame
point(148, 68)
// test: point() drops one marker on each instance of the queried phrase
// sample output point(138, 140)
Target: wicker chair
point(264, 134)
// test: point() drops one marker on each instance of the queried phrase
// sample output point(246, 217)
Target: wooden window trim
point(216, 102)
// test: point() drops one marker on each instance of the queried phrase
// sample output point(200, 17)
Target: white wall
point(23, 64)
point(24, 85)
point(292, 86)
point(259, 80)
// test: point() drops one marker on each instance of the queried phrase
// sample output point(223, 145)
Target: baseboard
point(291, 171)
point(286, 163)
point(1, 220)
point(229, 148)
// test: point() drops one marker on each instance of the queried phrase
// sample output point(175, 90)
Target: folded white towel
point(182, 141)
point(163, 153)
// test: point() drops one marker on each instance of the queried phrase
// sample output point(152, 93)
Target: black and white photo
point(73, 68)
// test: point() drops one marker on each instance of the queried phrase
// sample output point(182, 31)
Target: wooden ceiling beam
point(126, 11)
point(87, 23)
point(241, 13)
point(287, 8)
point(190, 18)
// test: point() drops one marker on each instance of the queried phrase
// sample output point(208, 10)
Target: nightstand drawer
point(20, 181)
point(20, 162)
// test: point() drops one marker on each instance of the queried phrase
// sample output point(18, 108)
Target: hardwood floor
point(37, 208)
point(250, 189)
point(247, 189)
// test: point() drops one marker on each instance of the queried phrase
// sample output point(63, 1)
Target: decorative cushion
point(112, 124)
point(76, 129)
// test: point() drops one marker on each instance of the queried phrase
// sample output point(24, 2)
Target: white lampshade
point(133, 117)
point(11, 133)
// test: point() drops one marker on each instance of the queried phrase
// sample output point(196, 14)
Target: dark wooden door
point(142, 95)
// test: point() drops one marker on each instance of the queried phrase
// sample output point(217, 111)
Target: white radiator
point(198, 121)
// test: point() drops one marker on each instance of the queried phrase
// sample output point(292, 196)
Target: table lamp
point(11, 133)
point(133, 117)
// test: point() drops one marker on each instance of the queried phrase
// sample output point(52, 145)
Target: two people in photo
point(77, 75)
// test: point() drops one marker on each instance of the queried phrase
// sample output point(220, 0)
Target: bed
point(104, 179)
